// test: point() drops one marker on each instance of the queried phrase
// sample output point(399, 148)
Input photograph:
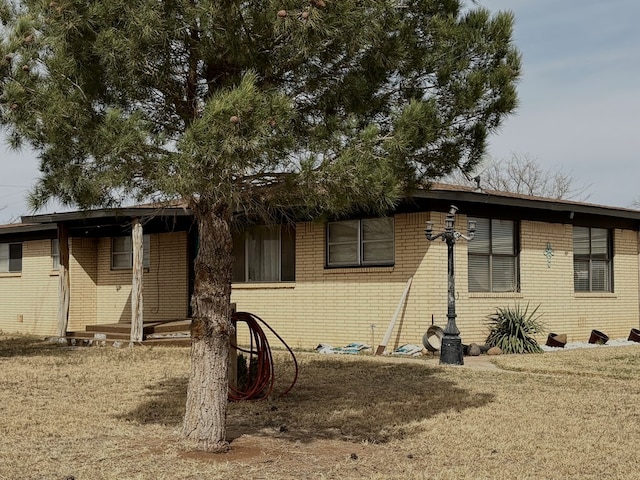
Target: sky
point(579, 108)
point(579, 93)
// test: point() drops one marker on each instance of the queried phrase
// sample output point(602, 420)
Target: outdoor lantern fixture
point(451, 346)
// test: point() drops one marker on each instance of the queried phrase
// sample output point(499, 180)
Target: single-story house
point(340, 281)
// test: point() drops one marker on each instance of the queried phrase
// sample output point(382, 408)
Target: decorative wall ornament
point(548, 253)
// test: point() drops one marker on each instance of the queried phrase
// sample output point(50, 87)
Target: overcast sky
point(579, 100)
point(579, 94)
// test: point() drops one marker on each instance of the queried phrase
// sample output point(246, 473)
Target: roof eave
point(494, 198)
point(129, 212)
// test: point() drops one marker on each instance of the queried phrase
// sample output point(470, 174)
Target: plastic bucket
point(634, 335)
point(432, 339)
point(555, 340)
point(598, 337)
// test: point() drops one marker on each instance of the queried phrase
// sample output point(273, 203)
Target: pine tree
point(250, 107)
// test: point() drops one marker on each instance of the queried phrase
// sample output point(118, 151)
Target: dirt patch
point(256, 449)
point(481, 362)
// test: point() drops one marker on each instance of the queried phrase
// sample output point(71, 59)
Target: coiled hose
point(257, 379)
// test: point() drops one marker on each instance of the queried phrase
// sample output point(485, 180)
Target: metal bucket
point(634, 335)
point(432, 339)
point(555, 340)
point(598, 337)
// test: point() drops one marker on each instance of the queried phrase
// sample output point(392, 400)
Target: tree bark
point(63, 280)
point(137, 305)
point(211, 327)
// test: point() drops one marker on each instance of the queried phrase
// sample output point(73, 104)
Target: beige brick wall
point(83, 276)
point(338, 306)
point(165, 282)
point(29, 299)
point(334, 306)
point(549, 283)
point(98, 294)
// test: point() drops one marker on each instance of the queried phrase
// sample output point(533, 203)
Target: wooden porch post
point(63, 280)
point(136, 284)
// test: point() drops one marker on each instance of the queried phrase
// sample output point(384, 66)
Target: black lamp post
point(451, 347)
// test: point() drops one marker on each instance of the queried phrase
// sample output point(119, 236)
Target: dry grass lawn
point(107, 413)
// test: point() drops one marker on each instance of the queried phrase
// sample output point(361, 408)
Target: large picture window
point(364, 242)
point(122, 253)
point(10, 257)
point(493, 257)
point(265, 254)
point(592, 260)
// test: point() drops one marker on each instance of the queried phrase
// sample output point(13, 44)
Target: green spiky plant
point(512, 329)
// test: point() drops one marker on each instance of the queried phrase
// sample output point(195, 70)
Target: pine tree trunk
point(206, 410)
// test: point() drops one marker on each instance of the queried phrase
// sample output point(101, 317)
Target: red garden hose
point(258, 379)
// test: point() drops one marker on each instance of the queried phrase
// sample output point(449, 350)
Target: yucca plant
point(512, 329)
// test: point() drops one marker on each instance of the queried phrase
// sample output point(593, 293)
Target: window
point(592, 260)
point(493, 259)
point(122, 254)
point(55, 254)
point(265, 254)
point(365, 242)
point(10, 257)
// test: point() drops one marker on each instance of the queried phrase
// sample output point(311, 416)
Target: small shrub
point(512, 329)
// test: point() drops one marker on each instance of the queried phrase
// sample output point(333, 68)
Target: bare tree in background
point(522, 174)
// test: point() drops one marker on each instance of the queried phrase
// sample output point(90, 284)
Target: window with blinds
point(493, 257)
point(364, 242)
point(592, 260)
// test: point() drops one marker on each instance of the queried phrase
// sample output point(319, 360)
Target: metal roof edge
point(441, 192)
point(522, 201)
point(126, 212)
point(14, 228)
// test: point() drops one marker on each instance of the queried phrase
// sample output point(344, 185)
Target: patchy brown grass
point(106, 413)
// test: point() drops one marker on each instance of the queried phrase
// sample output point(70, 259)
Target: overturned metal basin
point(598, 337)
point(555, 340)
point(634, 335)
point(432, 339)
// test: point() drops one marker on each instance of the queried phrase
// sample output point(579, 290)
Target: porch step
point(168, 332)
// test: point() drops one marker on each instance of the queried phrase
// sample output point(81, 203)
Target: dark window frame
point(360, 242)
point(492, 256)
point(55, 254)
point(14, 257)
point(243, 271)
point(591, 258)
point(127, 252)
